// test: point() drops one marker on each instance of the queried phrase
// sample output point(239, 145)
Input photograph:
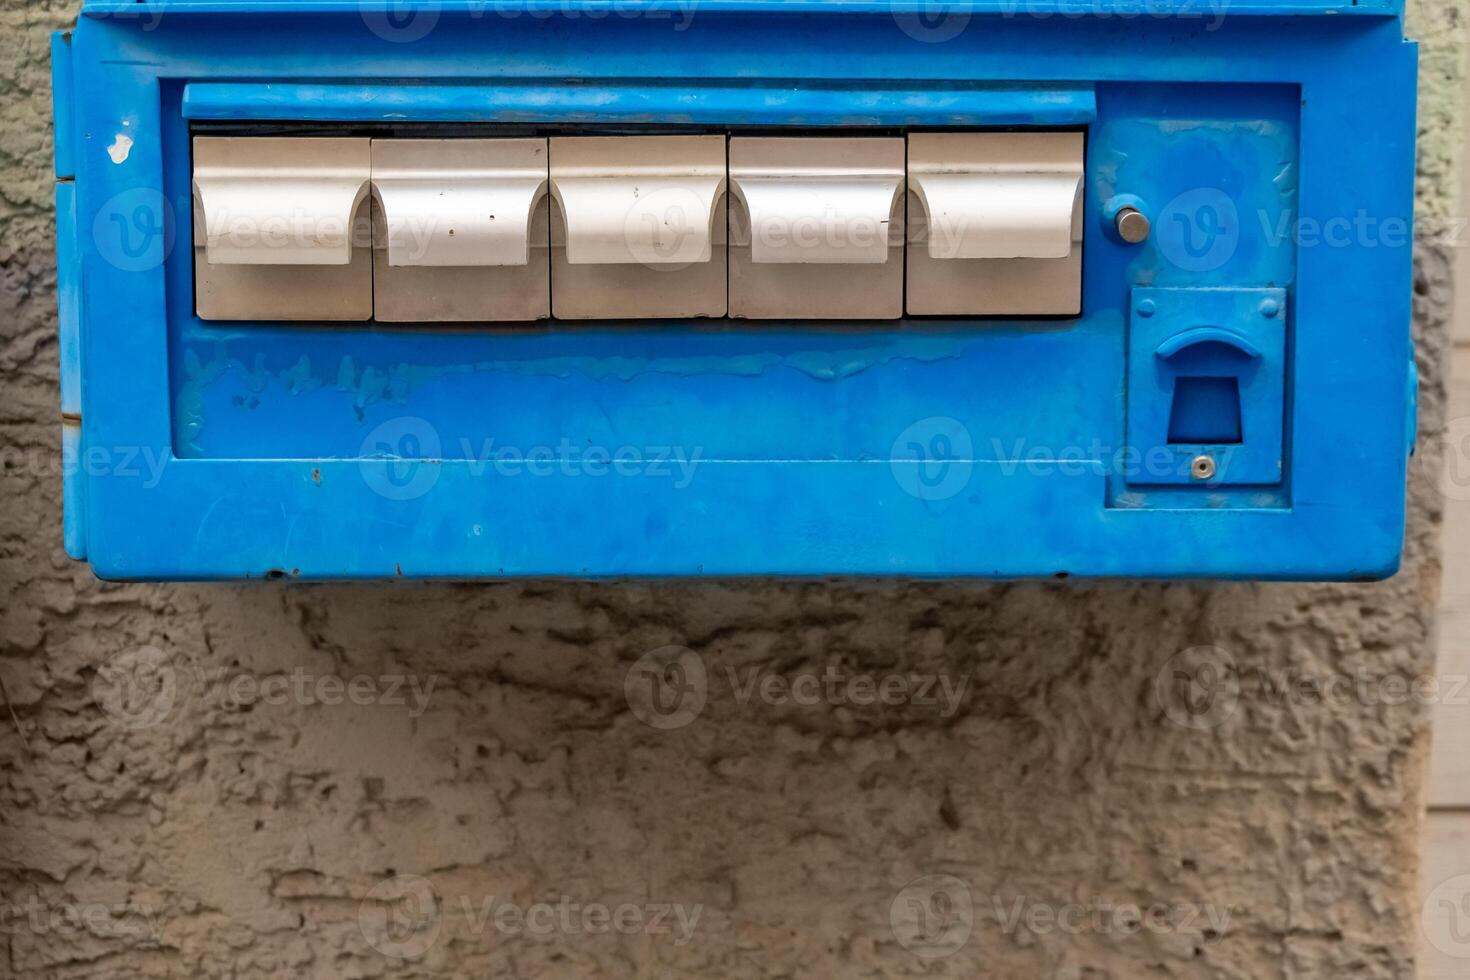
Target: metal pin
point(1132, 225)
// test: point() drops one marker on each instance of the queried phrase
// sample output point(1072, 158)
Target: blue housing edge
point(1271, 144)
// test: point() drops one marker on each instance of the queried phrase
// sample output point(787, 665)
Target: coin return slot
point(1205, 410)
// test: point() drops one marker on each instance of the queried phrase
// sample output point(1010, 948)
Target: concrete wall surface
point(1059, 781)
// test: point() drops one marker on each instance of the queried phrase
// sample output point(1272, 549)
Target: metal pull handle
point(638, 200)
point(999, 215)
point(998, 195)
point(458, 202)
point(818, 220)
point(279, 201)
point(817, 200)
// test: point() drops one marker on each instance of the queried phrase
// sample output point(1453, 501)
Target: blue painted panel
point(69, 325)
point(938, 16)
point(68, 299)
point(919, 447)
point(62, 96)
point(74, 479)
point(745, 103)
point(828, 397)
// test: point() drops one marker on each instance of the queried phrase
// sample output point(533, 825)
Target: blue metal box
point(1227, 391)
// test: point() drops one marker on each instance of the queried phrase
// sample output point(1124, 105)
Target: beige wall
point(206, 831)
point(1445, 884)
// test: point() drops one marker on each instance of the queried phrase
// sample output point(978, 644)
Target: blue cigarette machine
point(1004, 288)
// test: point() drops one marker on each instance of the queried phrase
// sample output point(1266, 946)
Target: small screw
point(1269, 308)
point(1146, 307)
point(1132, 225)
point(1202, 468)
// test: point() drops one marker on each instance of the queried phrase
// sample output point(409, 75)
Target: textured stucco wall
point(507, 812)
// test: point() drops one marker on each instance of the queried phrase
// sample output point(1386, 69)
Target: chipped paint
point(368, 384)
point(396, 382)
point(121, 146)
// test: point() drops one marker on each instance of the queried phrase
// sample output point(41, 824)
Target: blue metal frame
point(916, 448)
